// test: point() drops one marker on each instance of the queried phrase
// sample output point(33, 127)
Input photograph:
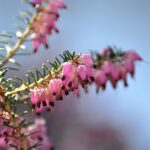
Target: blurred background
point(113, 119)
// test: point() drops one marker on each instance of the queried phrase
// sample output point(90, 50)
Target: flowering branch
point(11, 128)
point(18, 134)
point(29, 86)
point(42, 89)
point(38, 28)
point(15, 132)
point(76, 70)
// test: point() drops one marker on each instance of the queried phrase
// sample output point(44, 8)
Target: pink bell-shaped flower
point(87, 60)
point(81, 70)
point(67, 69)
point(115, 73)
point(107, 67)
point(133, 56)
point(129, 66)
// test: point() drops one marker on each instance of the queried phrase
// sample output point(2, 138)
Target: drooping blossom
point(81, 72)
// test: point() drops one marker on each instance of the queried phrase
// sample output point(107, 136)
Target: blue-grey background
point(94, 24)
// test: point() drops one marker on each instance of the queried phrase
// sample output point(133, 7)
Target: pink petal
point(81, 70)
point(87, 60)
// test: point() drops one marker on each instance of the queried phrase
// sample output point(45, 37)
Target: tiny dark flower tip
point(66, 93)
point(94, 66)
point(33, 106)
point(38, 104)
point(125, 83)
point(63, 77)
point(103, 87)
point(56, 30)
point(54, 93)
point(40, 138)
point(48, 109)
point(86, 82)
point(32, 4)
point(61, 98)
point(51, 104)
point(44, 104)
point(5, 133)
point(5, 123)
point(6, 140)
point(83, 86)
point(52, 148)
point(63, 87)
point(70, 84)
point(92, 79)
point(38, 114)
point(46, 46)
point(34, 50)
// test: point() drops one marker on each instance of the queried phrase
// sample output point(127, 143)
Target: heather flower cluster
point(6, 132)
point(116, 67)
point(4, 119)
point(44, 88)
point(34, 135)
point(40, 135)
point(45, 24)
point(82, 71)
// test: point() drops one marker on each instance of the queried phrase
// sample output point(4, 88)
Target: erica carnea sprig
point(75, 71)
point(34, 136)
point(38, 28)
point(67, 74)
point(16, 133)
point(44, 25)
point(81, 71)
